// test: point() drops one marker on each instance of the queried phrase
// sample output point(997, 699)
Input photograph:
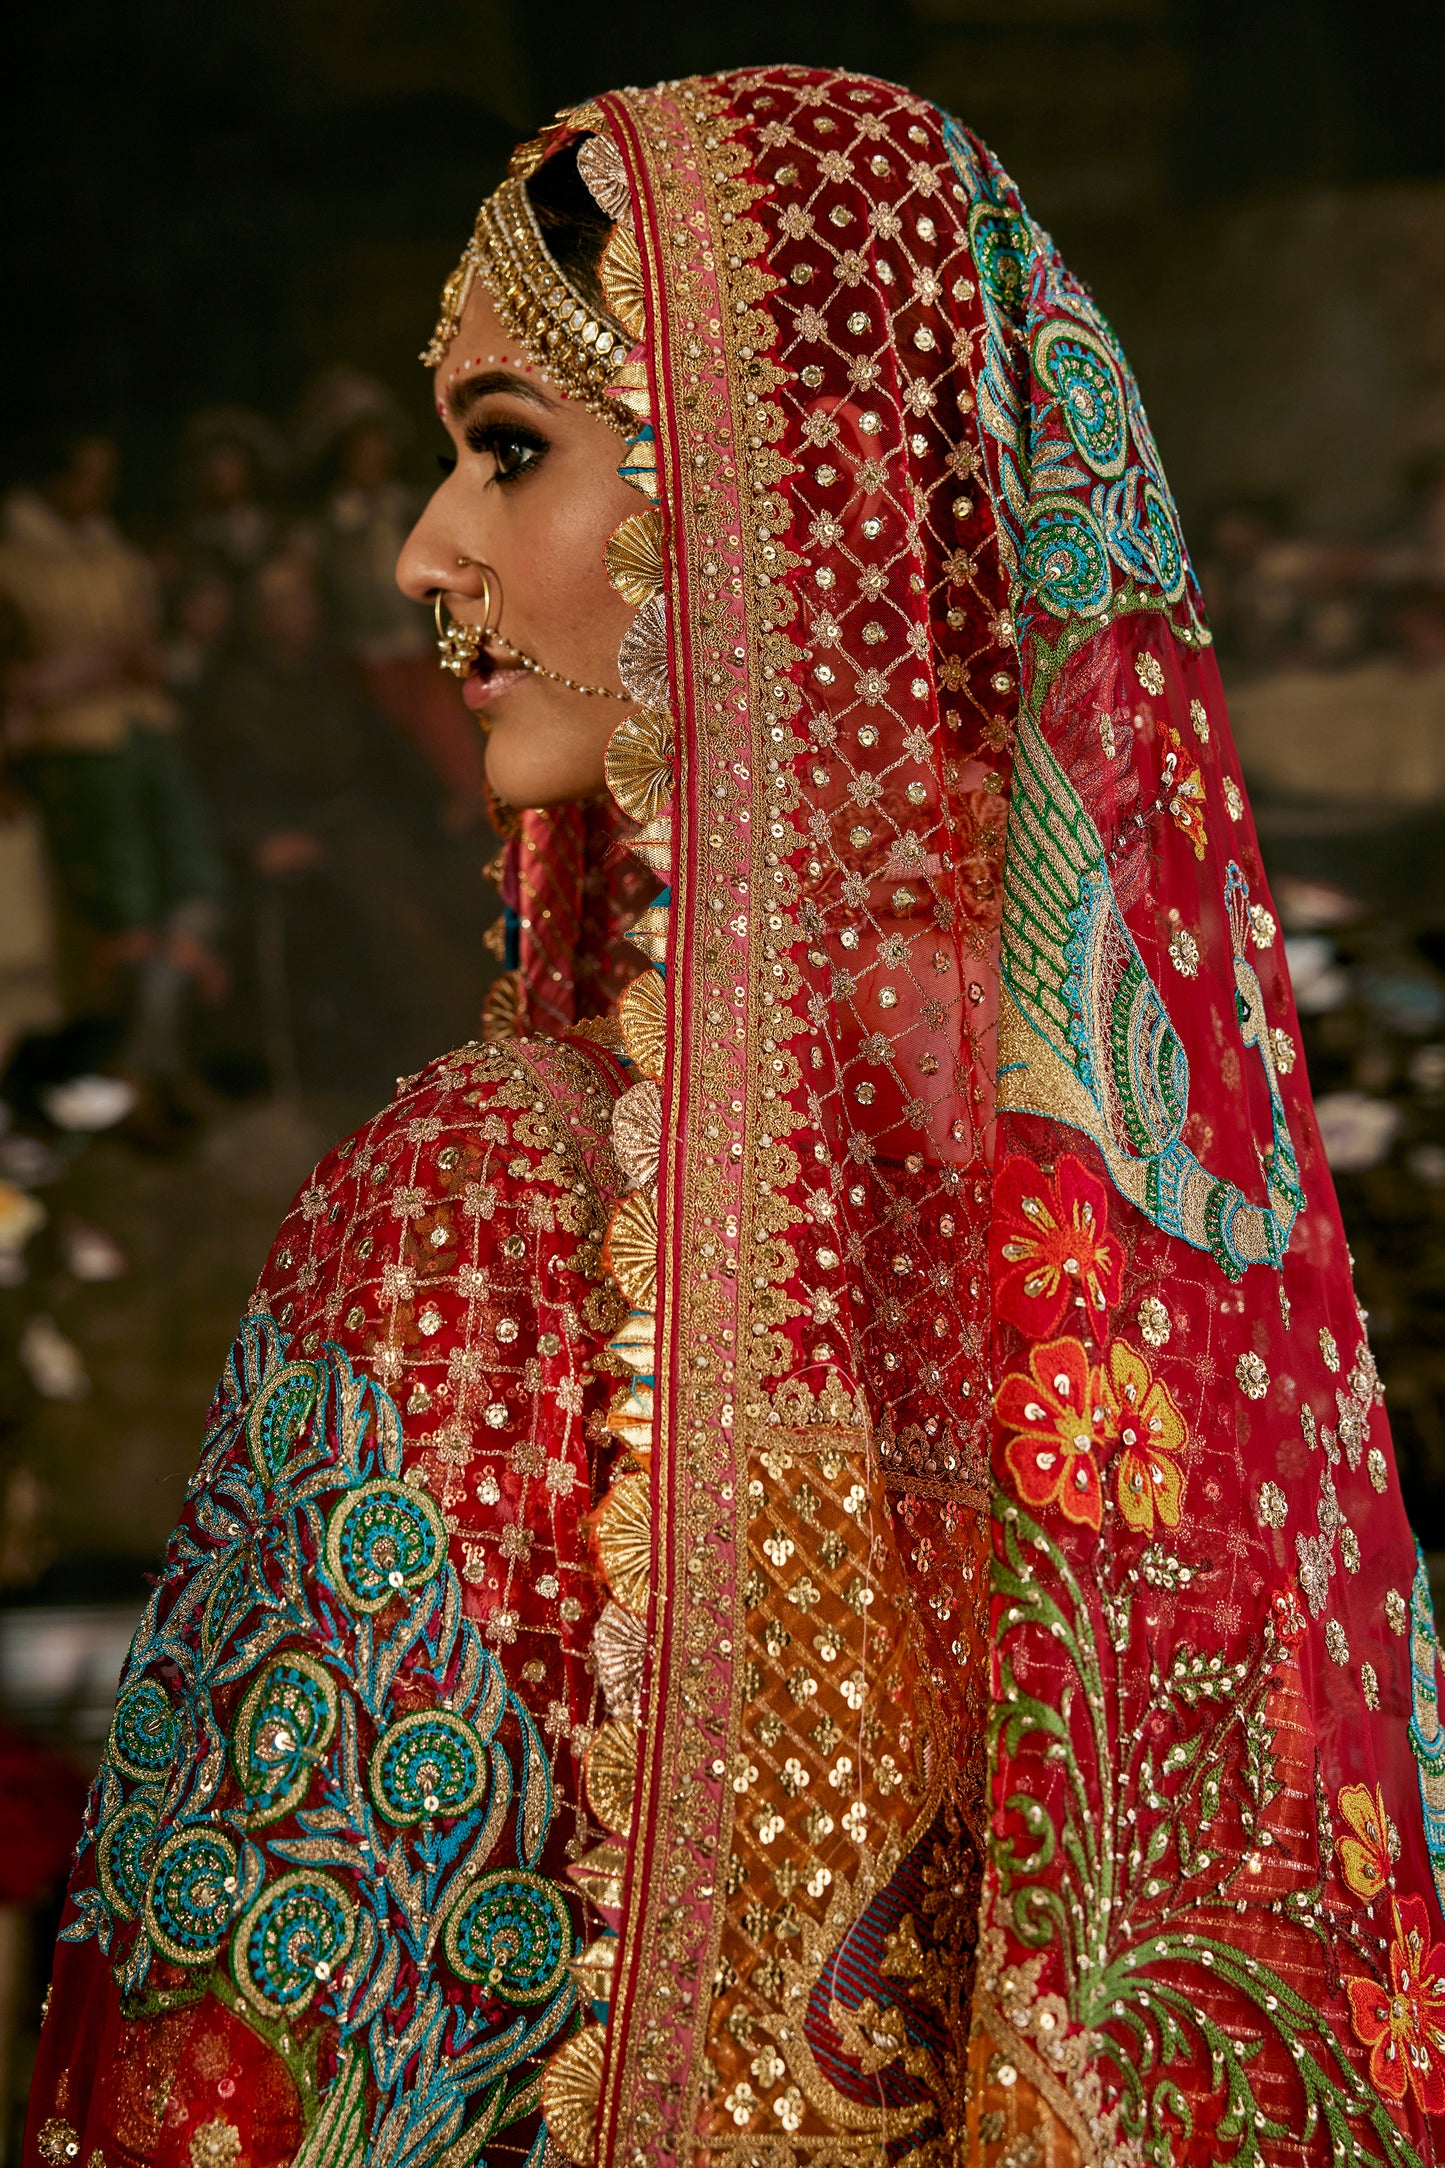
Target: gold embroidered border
point(674, 1901)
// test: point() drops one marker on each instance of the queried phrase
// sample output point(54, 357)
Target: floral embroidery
point(1184, 953)
point(1252, 1375)
point(1365, 1852)
point(1154, 1321)
point(1185, 786)
point(1151, 1431)
point(1061, 1418)
point(1403, 2025)
point(1055, 1242)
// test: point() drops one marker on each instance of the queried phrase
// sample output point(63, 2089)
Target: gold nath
point(537, 303)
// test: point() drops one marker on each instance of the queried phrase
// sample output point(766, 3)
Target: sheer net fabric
point(1037, 1591)
point(863, 1424)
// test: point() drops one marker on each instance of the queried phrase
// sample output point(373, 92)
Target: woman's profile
point(798, 1558)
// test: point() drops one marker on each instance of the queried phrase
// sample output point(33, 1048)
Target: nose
point(434, 559)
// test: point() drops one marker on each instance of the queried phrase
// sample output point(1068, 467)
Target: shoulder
point(492, 1150)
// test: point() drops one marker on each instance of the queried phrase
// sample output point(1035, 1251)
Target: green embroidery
point(1124, 1878)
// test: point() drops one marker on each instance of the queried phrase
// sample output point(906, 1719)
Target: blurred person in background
point(200, 612)
point(94, 738)
point(350, 965)
point(231, 469)
point(350, 427)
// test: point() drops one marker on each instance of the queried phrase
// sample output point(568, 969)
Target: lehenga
point(798, 1559)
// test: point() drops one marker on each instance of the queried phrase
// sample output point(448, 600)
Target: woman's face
point(533, 497)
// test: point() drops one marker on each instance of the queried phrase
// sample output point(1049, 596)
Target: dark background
point(207, 203)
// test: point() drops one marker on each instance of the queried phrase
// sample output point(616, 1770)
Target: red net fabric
point(997, 1214)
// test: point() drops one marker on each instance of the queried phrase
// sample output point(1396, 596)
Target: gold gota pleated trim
point(639, 774)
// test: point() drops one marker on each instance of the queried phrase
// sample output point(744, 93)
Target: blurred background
point(242, 838)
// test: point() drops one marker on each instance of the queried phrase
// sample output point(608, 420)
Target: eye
point(513, 448)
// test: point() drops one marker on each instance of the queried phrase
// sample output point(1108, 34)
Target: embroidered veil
point(802, 1563)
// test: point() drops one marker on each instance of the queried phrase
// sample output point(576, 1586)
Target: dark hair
point(574, 226)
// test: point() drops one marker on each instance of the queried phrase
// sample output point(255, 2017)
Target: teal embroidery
point(1427, 1739)
point(145, 1732)
point(381, 1540)
point(513, 1935)
point(315, 1775)
point(190, 1900)
point(284, 1727)
point(429, 1763)
point(123, 1856)
point(1084, 512)
point(1085, 1038)
point(296, 1934)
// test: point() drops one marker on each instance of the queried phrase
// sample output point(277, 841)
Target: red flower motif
point(1403, 2025)
point(1061, 1416)
point(1150, 1431)
point(1053, 1242)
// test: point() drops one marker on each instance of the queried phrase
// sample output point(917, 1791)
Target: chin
point(523, 777)
point(533, 763)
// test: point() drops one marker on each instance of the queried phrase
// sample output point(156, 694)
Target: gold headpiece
point(537, 303)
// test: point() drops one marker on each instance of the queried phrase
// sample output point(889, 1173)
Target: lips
point(486, 686)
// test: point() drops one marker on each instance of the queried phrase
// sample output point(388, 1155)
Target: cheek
point(559, 559)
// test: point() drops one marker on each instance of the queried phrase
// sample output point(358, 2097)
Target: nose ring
point(460, 643)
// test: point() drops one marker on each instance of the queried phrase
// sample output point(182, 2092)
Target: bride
point(797, 1559)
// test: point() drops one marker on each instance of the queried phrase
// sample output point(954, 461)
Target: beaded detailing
point(537, 303)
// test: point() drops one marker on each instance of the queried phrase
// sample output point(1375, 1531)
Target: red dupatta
point(995, 1226)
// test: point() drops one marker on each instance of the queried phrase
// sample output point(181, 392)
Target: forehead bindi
point(451, 382)
point(483, 346)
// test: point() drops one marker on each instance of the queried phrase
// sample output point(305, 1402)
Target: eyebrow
point(473, 389)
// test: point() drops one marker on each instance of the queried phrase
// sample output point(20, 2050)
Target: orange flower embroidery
point(1365, 1852)
point(1054, 1243)
point(1150, 1430)
point(1186, 788)
point(1061, 1418)
point(1403, 2025)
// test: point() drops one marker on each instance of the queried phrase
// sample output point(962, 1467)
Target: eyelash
point(492, 437)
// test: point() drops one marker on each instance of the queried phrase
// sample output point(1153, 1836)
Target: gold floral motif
point(1155, 1322)
point(642, 1013)
point(633, 558)
point(624, 1542)
point(629, 1248)
point(571, 2090)
point(215, 2145)
point(637, 1134)
point(58, 2142)
point(610, 1772)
